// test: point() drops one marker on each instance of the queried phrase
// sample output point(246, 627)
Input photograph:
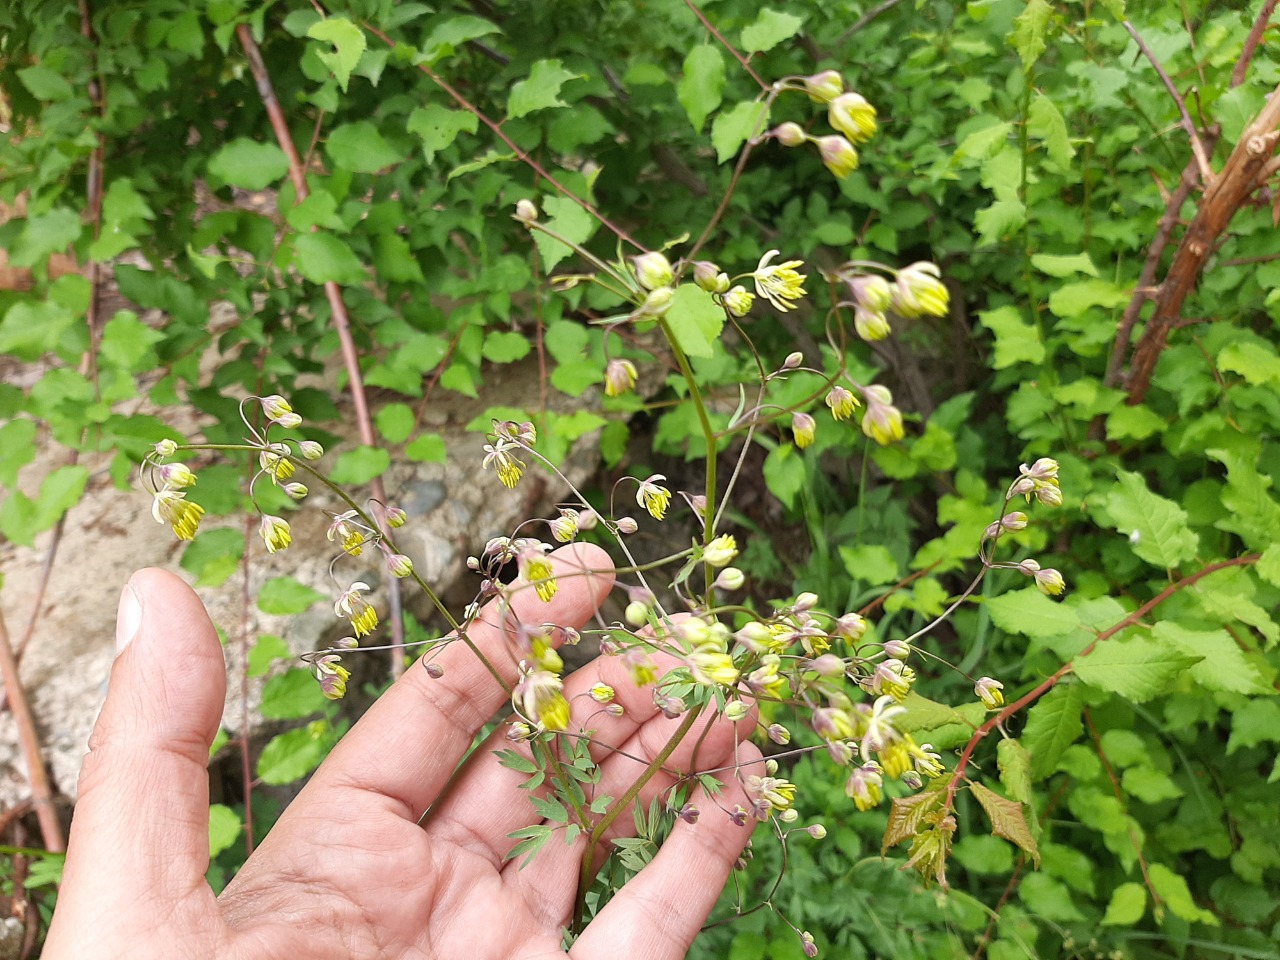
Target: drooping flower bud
point(653, 270)
point(627, 525)
point(838, 156)
point(852, 115)
point(636, 614)
point(398, 565)
point(793, 360)
point(710, 277)
point(619, 377)
point(825, 86)
point(396, 517)
point(919, 291)
point(310, 450)
point(275, 533)
point(803, 429)
point(730, 579)
point(656, 303)
point(738, 301)
point(166, 448)
point(526, 212)
point(988, 691)
point(870, 325)
point(789, 134)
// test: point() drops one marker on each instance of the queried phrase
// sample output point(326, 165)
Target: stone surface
point(454, 508)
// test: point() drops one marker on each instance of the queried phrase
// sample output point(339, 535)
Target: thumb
point(140, 833)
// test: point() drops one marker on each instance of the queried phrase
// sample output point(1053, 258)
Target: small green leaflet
point(439, 126)
point(733, 127)
point(540, 90)
point(286, 596)
point(702, 83)
point(1016, 341)
point(224, 828)
point(770, 29)
point(360, 148)
point(1128, 904)
point(248, 164)
point(1029, 30)
point(695, 320)
point(1157, 527)
point(569, 220)
point(1053, 724)
point(348, 44)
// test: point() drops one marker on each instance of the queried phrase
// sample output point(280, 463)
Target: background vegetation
point(1051, 159)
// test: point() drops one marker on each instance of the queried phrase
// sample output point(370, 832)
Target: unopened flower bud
point(619, 377)
point(434, 670)
point(310, 450)
point(753, 635)
point(653, 270)
point(587, 519)
point(730, 579)
point(295, 490)
point(1050, 582)
point(689, 813)
point(736, 710)
point(166, 448)
point(912, 779)
point(805, 601)
point(816, 830)
point(627, 525)
point(614, 710)
point(738, 301)
point(636, 614)
point(1049, 495)
point(794, 359)
point(828, 665)
point(851, 626)
point(710, 277)
point(825, 86)
point(870, 325)
point(398, 565)
point(838, 156)
point(919, 291)
point(790, 815)
point(526, 212)
point(789, 134)
point(396, 517)
point(656, 303)
point(803, 429)
point(720, 551)
point(519, 731)
point(671, 707)
point(779, 734)
point(897, 649)
point(601, 693)
point(177, 475)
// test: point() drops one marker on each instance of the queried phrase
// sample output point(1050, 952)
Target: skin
point(349, 871)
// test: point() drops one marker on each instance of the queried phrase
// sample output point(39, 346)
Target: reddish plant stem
point(1188, 125)
point(1252, 41)
point(41, 792)
point(1052, 680)
point(726, 44)
point(341, 321)
point(521, 155)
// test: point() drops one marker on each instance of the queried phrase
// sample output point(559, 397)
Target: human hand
point(348, 871)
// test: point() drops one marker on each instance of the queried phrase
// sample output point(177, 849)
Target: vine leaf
point(348, 46)
point(907, 814)
point(1138, 668)
point(1157, 527)
point(1053, 724)
point(1007, 819)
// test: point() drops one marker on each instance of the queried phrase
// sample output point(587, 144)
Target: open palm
point(349, 870)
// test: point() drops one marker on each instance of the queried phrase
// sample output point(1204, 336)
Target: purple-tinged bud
point(779, 734)
point(689, 813)
point(736, 710)
point(627, 525)
point(396, 517)
point(1023, 486)
point(295, 490)
point(871, 292)
point(794, 359)
point(838, 156)
point(710, 277)
point(166, 448)
point(434, 670)
point(587, 519)
point(753, 636)
point(310, 450)
point(671, 707)
point(805, 601)
point(398, 565)
point(851, 626)
point(1049, 495)
point(912, 779)
point(825, 86)
point(789, 134)
point(347, 643)
point(519, 731)
point(806, 943)
point(828, 666)
point(790, 815)
point(852, 115)
point(1050, 582)
point(614, 710)
point(816, 830)
point(897, 649)
point(803, 429)
point(619, 377)
point(840, 752)
point(1046, 468)
point(177, 476)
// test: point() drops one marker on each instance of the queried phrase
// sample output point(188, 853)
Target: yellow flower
point(780, 283)
point(275, 532)
point(509, 469)
point(803, 428)
point(852, 115)
point(720, 551)
point(838, 155)
point(277, 465)
point(919, 291)
point(619, 377)
point(654, 497)
point(539, 697)
point(988, 691)
point(864, 786)
point(333, 677)
point(344, 530)
point(738, 301)
point(364, 619)
point(883, 421)
point(710, 666)
point(842, 403)
point(537, 570)
point(173, 508)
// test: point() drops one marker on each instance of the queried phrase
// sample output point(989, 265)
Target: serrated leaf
point(695, 320)
point(569, 220)
point(770, 28)
point(1256, 362)
point(1053, 724)
point(1045, 122)
point(447, 37)
point(1071, 300)
point(1128, 904)
point(907, 815)
point(1136, 668)
point(225, 828)
point(1016, 340)
point(292, 755)
point(1175, 893)
point(395, 422)
point(1031, 613)
point(322, 257)
point(360, 148)
point(1157, 528)
point(1029, 31)
point(287, 596)
point(1223, 666)
point(735, 126)
point(924, 714)
point(248, 164)
point(348, 44)
point(438, 126)
point(1255, 515)
point(1268, 565)
point(1007, 819)
point(291, 695)
point(46, 84)
point(540, 90)
point(1015, 769)
point(701, 84)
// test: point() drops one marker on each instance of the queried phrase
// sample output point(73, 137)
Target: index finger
point(406, 747)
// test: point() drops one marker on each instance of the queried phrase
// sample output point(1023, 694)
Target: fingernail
point(128, 618)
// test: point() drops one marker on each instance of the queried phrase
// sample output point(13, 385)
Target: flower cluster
point(847, 111)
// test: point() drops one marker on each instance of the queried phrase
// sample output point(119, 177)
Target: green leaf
point(540, 90)
point(286, 596)
point(770, 29)
point(426, 448)
point(360, 465)
point(447, 37)
point(1029, 30)
point(1136, 668)
point(1134, 423)
point(213, 556)
point(1016, 341)
point(322, 257)
point(1015, 769)
point(1007, 819)
point(248, 164)
point(1053, 724)
point(1031, 613)
point(871, 564)
point(1157, 528)
point(1253, 723)
point(505, 346)
point(225, 828)
point(569, 220)
point(348, 45)
point(438, 127)
point(1256, 362)
point(784, 473)
point(735, 126)
point(394, 259)
point(360, 148)
point(1064, 265)
point(46, 84)
point(695, 320)
point(292, 695)
point(1223, 666)
point(17, 440)
point(127, 342)
point(702, 83)
point(1128, 904)
point(1254, 514)
point(292, 755)
point(395, 422)
point(1175, 893)
point(267, 650)
point(42, 235)
point(1071, 300)
point(1149, 784)
point(1045, 122)
point(1268, 565)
